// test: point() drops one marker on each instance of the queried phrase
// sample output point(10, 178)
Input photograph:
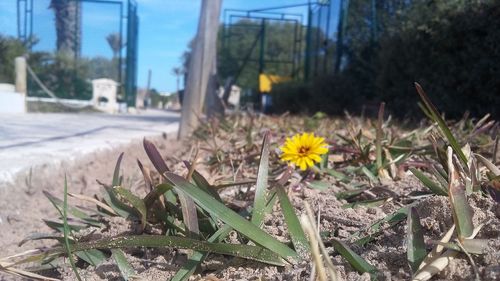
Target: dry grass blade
point(438, 250)
point(494, 169)
point(93, 200)
point(318, 249)
point(462, 213)
point(439, 260)
point(25, 274)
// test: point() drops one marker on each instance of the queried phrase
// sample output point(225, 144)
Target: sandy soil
point(23, 206)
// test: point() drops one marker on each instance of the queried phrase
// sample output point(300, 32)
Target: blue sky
point(166, 27)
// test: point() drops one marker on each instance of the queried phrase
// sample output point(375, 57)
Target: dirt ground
point(23, 206)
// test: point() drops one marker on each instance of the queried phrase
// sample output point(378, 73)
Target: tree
point(68, 26)
point(178, 72)
point(115, 43)
point(201, 66)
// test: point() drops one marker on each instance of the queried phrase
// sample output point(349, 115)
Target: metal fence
point(322, 38)
point(72, 42)
point(250, 40)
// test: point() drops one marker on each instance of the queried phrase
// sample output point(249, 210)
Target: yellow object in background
point(266, 81)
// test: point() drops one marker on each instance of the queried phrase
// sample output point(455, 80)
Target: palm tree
point(178, 72)
point(115, 43)
point(68, 26)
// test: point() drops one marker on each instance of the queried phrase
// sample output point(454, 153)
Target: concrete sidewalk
point(28, 140)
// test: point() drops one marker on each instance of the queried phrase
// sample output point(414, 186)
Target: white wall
point(10, 101)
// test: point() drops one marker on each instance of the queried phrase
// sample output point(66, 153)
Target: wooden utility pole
point(201, 66)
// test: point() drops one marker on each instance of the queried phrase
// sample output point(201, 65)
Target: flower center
point(303, 150)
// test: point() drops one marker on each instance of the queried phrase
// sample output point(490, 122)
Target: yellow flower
point(303, 150)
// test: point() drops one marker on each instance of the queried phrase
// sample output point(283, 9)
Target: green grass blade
point(261, 184)
point(297, 234)
point(157, 191)
point(371, 203)
point(427, 182)
point(271, 201)
point(356, 261)
point(124, 266)
point(436, 117)
point(378, 138)
point(190, 266)
point(228, 216)
point(414, 240)
point(319, 185)
point(157, 241)
point(136, 202)
point(462, 212)
point(202, 183)
point(93, 257)
point(369, 174)
point(375, 229)
point(72, 210)
point(116, 173)
point(67, 230)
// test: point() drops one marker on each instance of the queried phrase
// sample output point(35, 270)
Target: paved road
point(28, 140)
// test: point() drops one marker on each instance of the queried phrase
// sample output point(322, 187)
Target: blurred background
point(297, 56)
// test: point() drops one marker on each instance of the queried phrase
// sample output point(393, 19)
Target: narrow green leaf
point(136, 202)
point(116, 173)
point(320, 185)
point(72, 210)
point(202, 183)
point(427, 182)
point(261, 184)
point(350, 193)
point(155, 241)
point(436, 117)
point(462, 212)
point(190, 266)
point(271, 201)
point(93, 257)
point(375, 229)
point(231, 218)
point(414, 240)
point(58, 226)
point(67, 230)
point(378, 138)
point(369, 174)
point(157, 191)
point(124, 266)
point(338, 175)
point(368, 203)
point(41, 236)
point(356, 261)
point(297, 234)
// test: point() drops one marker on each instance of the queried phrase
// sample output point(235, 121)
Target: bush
point(452, 51)
point(10, 48)
point(456, 58)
